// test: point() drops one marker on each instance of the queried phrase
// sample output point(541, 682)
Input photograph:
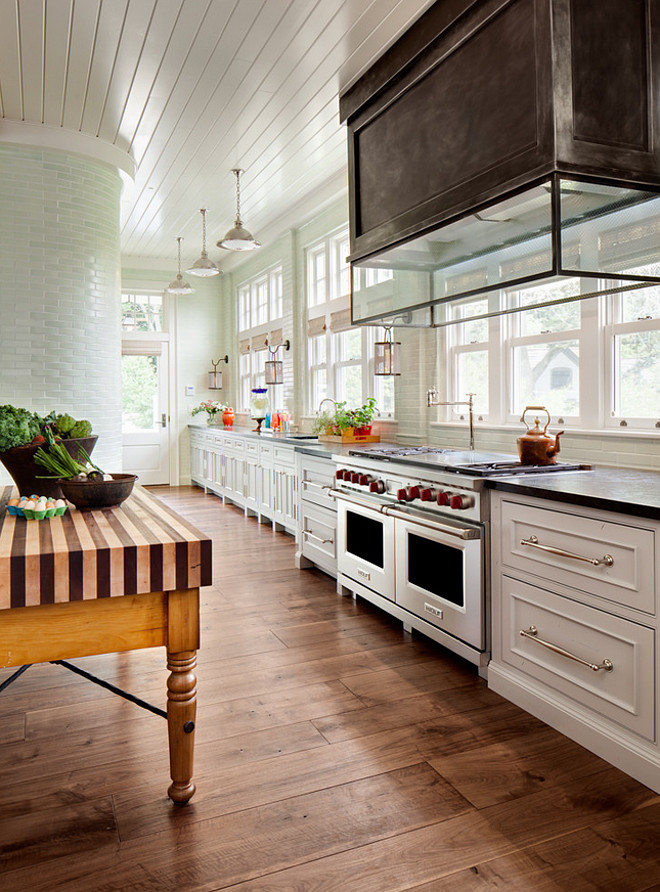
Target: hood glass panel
point(586, 237)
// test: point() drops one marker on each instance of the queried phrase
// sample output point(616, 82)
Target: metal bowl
point(98, 493)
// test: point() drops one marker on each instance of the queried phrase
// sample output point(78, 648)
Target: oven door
point(365, 546)
point(439, 576)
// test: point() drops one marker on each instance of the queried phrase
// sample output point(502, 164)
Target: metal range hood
point(509, 149)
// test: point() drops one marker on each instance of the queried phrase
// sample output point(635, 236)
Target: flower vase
point(214, 420)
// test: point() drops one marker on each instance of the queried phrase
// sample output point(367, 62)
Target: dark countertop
point(612, 489)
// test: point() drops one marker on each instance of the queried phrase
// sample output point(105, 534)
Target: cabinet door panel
point(625, 694)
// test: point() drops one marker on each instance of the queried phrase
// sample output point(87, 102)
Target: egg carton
point(36, 507)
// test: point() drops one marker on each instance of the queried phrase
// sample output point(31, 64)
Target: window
point(260, 300)
point(260, 311)
point(468, 355)
point(141, 312)
point(543, 348)
point(340, 356)
point(594, 363)
point(633, 347)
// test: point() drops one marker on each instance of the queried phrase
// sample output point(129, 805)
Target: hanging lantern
point(215, 377)
point(274, 368)
point(387, 355)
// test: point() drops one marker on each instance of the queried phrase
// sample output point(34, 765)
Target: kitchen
point(205, 329)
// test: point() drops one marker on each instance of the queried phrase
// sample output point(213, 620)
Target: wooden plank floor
point(334, 752)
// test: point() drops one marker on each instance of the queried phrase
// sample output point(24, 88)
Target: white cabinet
point(317, 536)
point(575, 625)
point(285, 494)
point(259, 476)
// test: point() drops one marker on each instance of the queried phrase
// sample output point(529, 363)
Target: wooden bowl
point(28, 476)
point(98, 493)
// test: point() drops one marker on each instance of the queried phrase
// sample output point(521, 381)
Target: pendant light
point(203, 266)
point(238, 238)
point(179, 285)
point(387, 355)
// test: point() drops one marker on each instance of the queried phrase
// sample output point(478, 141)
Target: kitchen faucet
point(432, 400)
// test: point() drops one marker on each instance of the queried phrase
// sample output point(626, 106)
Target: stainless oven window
point(436, 568)
point(364, 538)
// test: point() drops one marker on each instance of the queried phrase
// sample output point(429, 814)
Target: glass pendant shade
point(179, 285)
point(387, 356)
point(215, 377)
point(274, 369)
point(215, 380)
point(203, 266)
point(238, 238)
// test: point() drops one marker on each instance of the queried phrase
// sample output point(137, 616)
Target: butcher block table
point(104, 581)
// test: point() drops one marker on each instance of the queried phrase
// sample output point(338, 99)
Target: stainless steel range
point(413, 537)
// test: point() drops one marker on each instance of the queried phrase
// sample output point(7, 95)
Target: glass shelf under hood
point(591, 233)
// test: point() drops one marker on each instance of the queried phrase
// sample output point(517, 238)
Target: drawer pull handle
point(533, 542)
point(308, 483)
point(532, 633)
point(317, 538)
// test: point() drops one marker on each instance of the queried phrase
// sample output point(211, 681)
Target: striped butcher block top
point(138, 546)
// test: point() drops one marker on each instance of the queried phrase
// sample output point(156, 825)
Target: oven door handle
point(458, 532)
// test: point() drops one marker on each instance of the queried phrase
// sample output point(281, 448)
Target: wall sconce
point(215, 377)
point(274, 368)
point(387, 355)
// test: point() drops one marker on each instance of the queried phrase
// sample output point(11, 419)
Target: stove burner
point(503, 468)
point(387, 451)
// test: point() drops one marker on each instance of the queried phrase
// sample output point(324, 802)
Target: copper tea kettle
point(534, 446)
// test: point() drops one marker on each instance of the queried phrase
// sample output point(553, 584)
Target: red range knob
point(339, 474)
point(402, 495)
point(347, 476)
point(442, 498)
point(461, 502)
point(413, 493)
point(377, 486)
point(426, 494)
point(363, 479)
point(355, 477)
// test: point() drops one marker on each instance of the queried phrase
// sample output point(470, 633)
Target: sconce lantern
point(274, 368)
point(387, 355)
point(215, 377)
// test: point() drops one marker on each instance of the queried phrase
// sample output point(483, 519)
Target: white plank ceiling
point(190, 89)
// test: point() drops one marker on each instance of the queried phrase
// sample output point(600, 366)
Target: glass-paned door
point(145, 412)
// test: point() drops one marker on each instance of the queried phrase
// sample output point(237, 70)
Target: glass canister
point(258, 405)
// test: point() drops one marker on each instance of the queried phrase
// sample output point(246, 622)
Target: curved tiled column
point(60, 338)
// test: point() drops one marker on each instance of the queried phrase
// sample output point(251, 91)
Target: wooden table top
point(139, 546)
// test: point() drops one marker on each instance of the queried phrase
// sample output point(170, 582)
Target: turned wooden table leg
point(181, 712)
point(182, 645)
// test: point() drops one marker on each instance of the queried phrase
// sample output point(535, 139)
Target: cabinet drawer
point(629, 580)
point(266, 453)
point(316, 481)
point(625, 694)
point(251, 447)
point(236, 445)
point(318, 529)
point(284, 455)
